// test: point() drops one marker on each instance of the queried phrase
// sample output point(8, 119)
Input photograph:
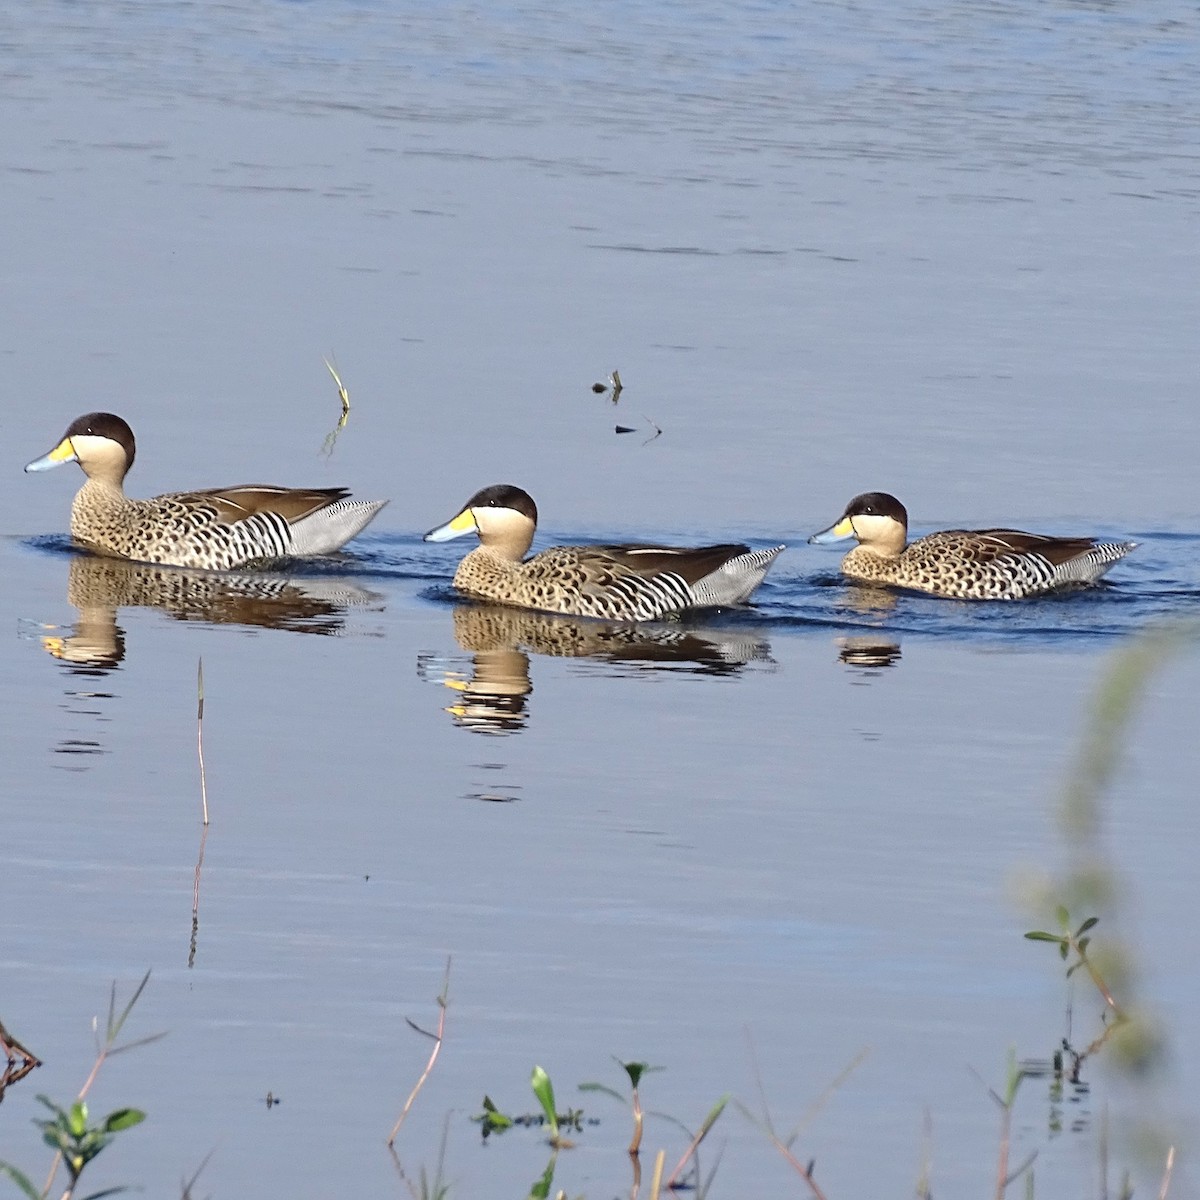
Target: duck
point(632, 582)
point(963, 564)
point(217, 529)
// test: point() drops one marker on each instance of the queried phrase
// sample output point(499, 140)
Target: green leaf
point(602, 1087)
point(711, 1119)
point(1039, 935)
point(22, 1181)
point(1084, 943)
point(58, 1112)
point(543, 1089)
point(113, 1191)
point(1063, 951)
point(1064, 917)
point(635, 1071)
point(123, 1118)
point(1014, 1074)
point(540, 1188)
point(1088, 924)
point(78, 1118)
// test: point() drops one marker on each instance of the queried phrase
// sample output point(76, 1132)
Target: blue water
point(945, 251)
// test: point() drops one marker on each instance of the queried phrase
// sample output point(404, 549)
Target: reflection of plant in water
point(1077, 943)
point(1090, 884)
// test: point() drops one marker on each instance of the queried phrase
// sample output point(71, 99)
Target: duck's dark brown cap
point(504, 495)
point(105, 425)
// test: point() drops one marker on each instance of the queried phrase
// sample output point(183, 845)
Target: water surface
point(948, 252)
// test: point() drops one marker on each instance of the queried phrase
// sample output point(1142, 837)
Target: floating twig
point(613, 385)
point(633, 429)
point(14, 1072)
point(13, 1049)
point(437, 1046)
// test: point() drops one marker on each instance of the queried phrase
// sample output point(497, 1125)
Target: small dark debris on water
point(273, 1100)
point(614, 385)
point(633, 429)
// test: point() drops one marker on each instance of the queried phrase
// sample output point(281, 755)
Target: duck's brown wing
point(986, 545)
point(246, 500)
point(690, 563)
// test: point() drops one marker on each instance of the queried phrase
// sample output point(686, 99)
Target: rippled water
point(948, 251)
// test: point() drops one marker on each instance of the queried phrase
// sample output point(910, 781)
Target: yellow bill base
point(835, 533)
point(463, 523)
point(64, 452)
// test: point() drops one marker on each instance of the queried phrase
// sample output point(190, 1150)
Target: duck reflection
point(863, 600)
point(99, 587)
point(871, 650)
point(501, 640)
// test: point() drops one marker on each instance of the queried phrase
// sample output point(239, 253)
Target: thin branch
point(437, 1047)
point(9, 1045)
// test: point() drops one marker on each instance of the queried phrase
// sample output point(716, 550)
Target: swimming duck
point(622, 583)
point(966, 564)
point(215, 529)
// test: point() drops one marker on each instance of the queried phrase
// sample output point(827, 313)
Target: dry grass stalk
point(1166, 1183)
point(701, 1134)
point(784, 1145)
point(437, 1047)
point(196, 899)
point(343, 394)
point(344, 397)
point(656, 1178)
point(924, 1189)
point(200, 742)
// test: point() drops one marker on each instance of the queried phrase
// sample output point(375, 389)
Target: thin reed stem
point(200, 737)
point(437, 1048)
point(656, 1178)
